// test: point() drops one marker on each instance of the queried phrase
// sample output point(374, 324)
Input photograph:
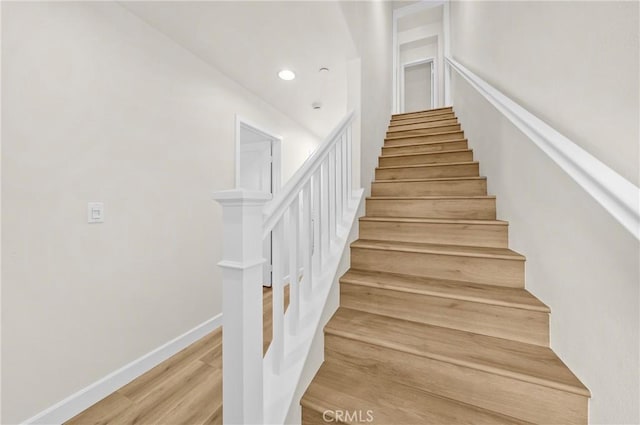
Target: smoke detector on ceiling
point(316, 105)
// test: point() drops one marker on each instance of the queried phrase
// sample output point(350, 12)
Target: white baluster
point(294, 289)
point(325, 208)
point(241, 264)
point(332, 194)
point(349, 167)
point(305, 241)
point(317, 247)
point(345, 177)
point(339, 178)
point(277, 293)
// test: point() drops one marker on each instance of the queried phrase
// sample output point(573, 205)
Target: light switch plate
point(95, 212)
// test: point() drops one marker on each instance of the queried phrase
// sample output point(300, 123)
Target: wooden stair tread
point(439, 164)
point(408, 136)
point(434, 220)
point(517, 360)
point(427, 143)
point(458, 290)
point(421, 119)
point(404, 114)
point(419, 115)
point(398, 155)
point(434, 179)
point(397, 198)
point(458, 250)
point(339, 387)
point(439, 121)
point(437, 125)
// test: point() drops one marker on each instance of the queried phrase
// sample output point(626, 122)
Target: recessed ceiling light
point(286, 74)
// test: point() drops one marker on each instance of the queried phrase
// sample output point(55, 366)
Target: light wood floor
point(186, 389)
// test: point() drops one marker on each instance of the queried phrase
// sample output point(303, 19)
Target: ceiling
point(251, 41)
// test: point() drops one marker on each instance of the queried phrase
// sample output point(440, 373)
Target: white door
point(418, 87)
point(256, 166)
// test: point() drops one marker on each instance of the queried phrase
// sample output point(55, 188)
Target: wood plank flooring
point(185, 389)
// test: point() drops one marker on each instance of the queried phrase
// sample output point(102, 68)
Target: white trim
point(276, 150)
point(433, 79)
point(617, 195)
point(446, 34)
point(88, 396)
point(395, 104)
point(397, 14)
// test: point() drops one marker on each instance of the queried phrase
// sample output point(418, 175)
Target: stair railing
point(307, 221)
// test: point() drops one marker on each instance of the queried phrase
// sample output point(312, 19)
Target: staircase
point(434, 324)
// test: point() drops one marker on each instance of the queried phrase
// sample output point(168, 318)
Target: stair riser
point(438, 187)
point(516, 324)
point(421, 125)
point(429, 158)
point(470, 208)
point(421, 113)
point(407, 139)
point(443, 116)
point(489, 271)
point(461, 170)
point(492, 236)
point(423, 131)
point(502, 394)
point(435, 147)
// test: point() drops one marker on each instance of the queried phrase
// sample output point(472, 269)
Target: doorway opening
point(420, 33)
point(418, 89)
point(258, 154)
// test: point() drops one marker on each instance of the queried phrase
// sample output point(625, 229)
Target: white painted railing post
point(447, 84)
point(349, 165)
point(242, 261)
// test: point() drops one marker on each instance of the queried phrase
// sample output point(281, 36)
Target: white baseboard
point(88, 396)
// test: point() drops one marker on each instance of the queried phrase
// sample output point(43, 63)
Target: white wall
point(574, 64)
point(371, 28)
point(98, 106)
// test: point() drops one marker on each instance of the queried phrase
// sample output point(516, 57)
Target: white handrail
point(274, 210)
point(617, 195)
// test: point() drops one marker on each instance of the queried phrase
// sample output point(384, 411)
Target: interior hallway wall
point(371, 28)
point(99, 106)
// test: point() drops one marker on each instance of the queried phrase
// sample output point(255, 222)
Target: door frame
point(276, 165)
point(401, 13)
point(276, 151)
point(434, 78)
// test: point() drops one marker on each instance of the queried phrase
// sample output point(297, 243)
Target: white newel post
point(242, 260)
